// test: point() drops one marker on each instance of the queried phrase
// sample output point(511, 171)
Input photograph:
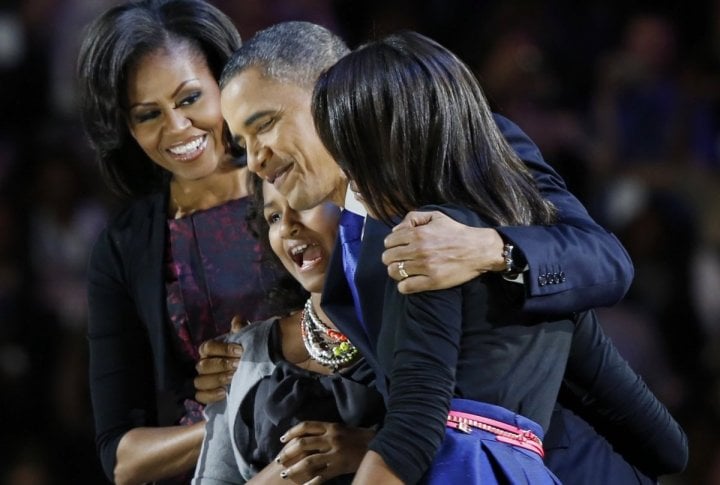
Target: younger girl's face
point(174, 111)
point(302, 240)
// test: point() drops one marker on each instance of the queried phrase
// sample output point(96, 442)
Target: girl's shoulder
point(458, 213)
point(252, 335)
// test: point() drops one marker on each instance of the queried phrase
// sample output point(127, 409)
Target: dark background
point(623, 99)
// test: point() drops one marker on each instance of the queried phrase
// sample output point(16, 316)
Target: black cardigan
point(138, 376)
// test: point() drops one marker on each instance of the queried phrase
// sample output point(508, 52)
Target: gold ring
point(401, 269)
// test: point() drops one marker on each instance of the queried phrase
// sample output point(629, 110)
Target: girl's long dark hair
point(407, 120)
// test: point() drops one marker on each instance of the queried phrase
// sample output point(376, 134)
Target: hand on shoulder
point(217, 364)
point(436, 252)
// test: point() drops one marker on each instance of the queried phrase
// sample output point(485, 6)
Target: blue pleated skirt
point(479, 458)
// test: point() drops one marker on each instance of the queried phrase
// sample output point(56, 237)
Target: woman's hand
point(317, 451)
point(216, 367)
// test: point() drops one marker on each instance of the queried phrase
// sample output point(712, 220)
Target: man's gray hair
point(294, 52)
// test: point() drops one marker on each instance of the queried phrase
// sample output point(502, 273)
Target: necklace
point(324, 344)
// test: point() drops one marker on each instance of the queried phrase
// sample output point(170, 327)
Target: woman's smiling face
point(174, 111)
point(302, 240)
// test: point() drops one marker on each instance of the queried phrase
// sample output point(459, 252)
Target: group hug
point(340, 266)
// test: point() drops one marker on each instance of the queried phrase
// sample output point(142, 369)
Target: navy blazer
point(575, 264)
point(585, 283)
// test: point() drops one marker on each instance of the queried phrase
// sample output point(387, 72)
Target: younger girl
point(298, 377)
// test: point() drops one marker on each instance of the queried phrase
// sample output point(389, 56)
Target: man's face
point(272, 120)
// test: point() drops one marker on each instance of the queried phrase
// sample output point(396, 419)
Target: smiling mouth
point(190, 150)
point(306, 255)
point(278, 177)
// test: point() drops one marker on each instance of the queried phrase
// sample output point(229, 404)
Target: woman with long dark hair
point(177, 264)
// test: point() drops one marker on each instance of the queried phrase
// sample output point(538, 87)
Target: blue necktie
point(351, 225)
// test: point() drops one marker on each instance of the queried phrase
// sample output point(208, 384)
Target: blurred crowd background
point(623, 98)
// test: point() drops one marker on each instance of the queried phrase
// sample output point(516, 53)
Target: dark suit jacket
point(575, 264)
point(578, 283)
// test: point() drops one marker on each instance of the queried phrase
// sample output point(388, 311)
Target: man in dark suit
point(570, 267)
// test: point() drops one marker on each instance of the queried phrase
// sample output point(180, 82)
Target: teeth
point(298, 249)
point(188, 147)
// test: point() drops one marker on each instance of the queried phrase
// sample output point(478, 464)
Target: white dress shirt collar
point(352, 204)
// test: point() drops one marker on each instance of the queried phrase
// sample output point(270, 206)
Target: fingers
point(218, 348)
point(416, 284)
point(300, 448)
point(404, 246)
point(210, 381)
point(337, 451)
point(314, 469)
point(214, 374)
point(211, 388)
point(409, 242)
point(306, 428)
point(417, 280)
point(217, 365)
point(416, 218)
point(405, 233)
point(437, 253)
point(399, 237)
point(400, 271)
point(303, 439)
point(237, 324)
point(209, 397)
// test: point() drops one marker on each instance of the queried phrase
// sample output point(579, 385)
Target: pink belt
point(505, 432)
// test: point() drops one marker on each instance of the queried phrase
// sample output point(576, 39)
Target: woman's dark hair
point(287, 294)
point(113, 44)
point(408, 122)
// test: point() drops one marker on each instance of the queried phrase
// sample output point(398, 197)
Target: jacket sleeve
point(619, 405)
point(121, 368)
point(575, 264)
point(422, 379)
point(419, 347)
